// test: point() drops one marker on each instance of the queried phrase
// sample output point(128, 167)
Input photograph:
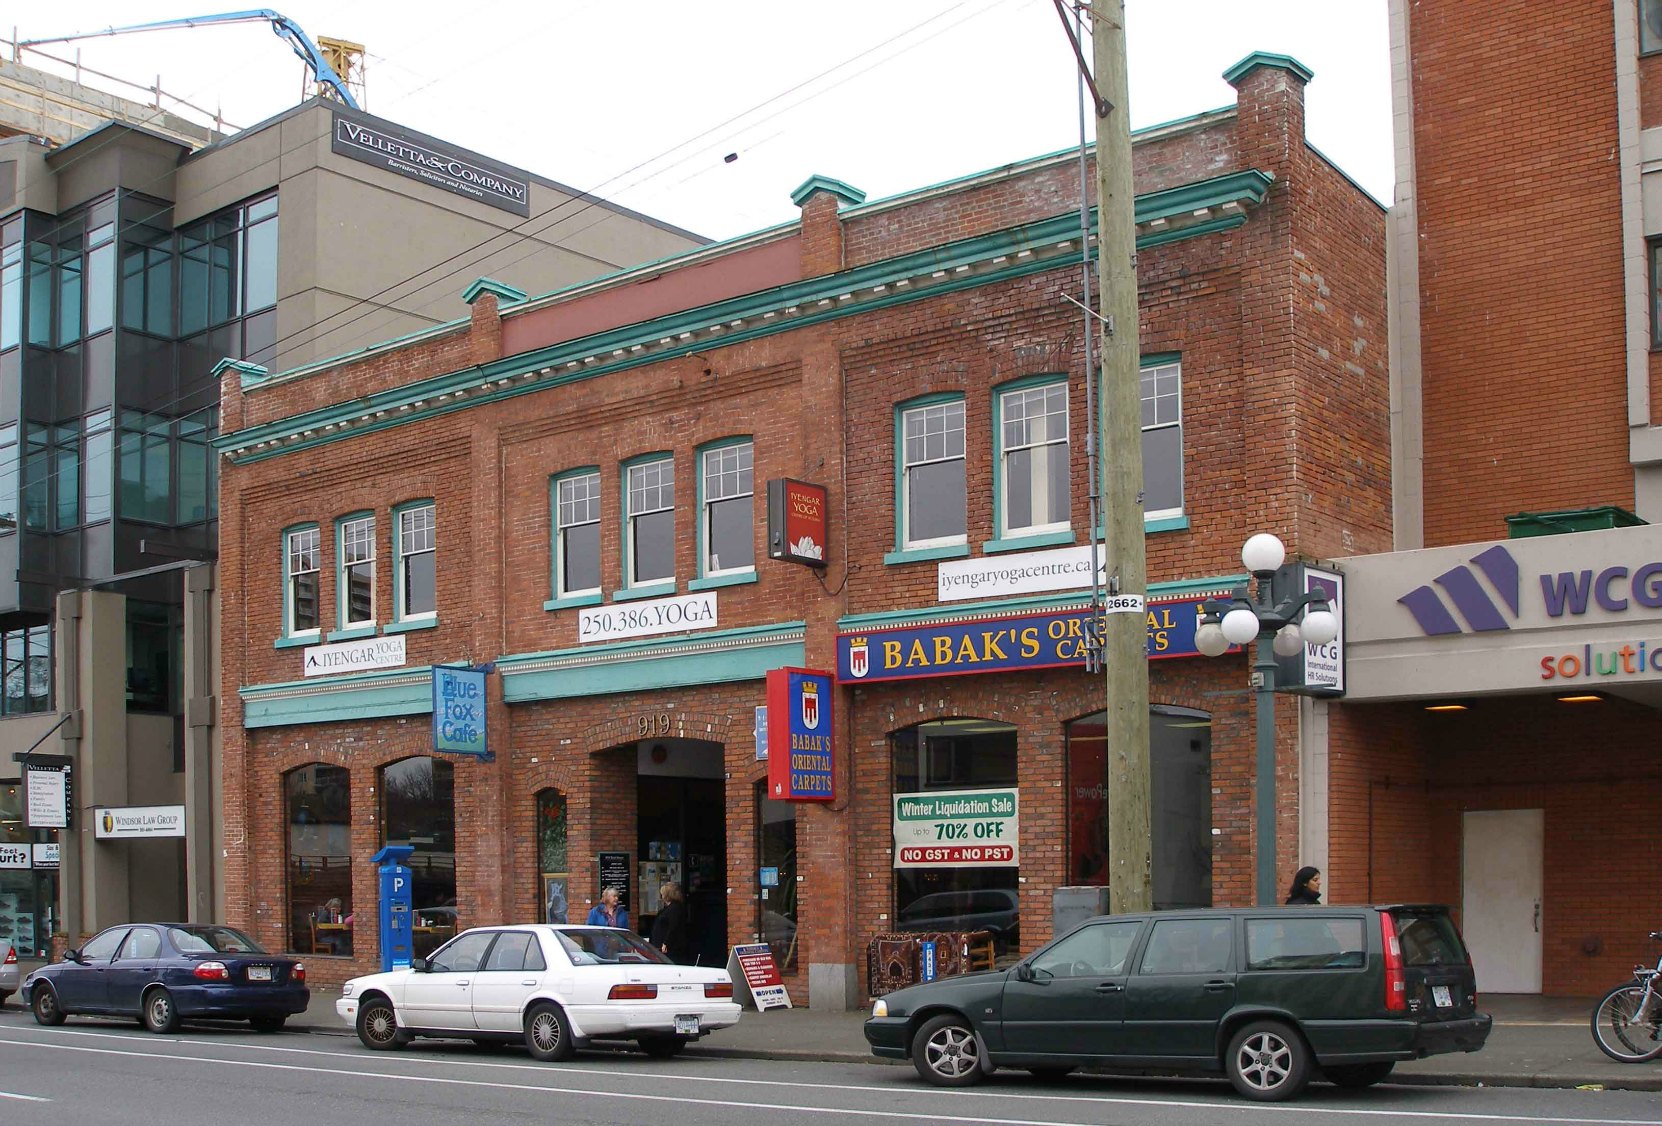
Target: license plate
point(686, 1025)
point(259, 973)
point(1439, 994)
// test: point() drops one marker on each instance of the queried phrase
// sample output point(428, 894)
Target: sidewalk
point(1537, 1042)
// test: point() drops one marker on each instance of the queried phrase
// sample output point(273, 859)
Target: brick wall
point(1521, 304)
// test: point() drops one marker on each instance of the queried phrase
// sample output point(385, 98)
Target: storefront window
point(776, 847)
point(1180, 804)
point(966, 884)
point(553, 869)
point(418, 808)
point(319, 803)
point(28, 878)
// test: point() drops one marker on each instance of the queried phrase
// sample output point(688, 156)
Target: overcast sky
point(642, 101)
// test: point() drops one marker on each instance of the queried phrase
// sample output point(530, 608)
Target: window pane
point(935, 501)
point(9, 461)
point(580, 558)
point(418, 808)
point(194, 459)
point(1305, 944)
point(1163, 469)
point(319, 801)
point(654, 547)
point(1098, 951)
point(101, 288)
point(40, 294)
point(152, 640)
point(420, 584)
point(11, 295)
point(261, 264)
point(1188, 946)
point(305, 602)
point(731, 538)
point(69, 293)
point(67, 460)
point(99, 466)
point(360, 593)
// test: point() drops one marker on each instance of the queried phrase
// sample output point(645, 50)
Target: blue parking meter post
point(926, 970)
point(397, 894)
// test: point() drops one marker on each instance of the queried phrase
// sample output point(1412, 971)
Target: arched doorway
point(418, 808)
point(681, 837)
point(1180, 803)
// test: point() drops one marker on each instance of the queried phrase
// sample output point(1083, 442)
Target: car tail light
point(298, 973)
point(1396, 984)
point(633, 992)
point(719, 989)
point(211, 971)
point(11, 956)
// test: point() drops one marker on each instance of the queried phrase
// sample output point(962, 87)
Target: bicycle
point(1627, 1024)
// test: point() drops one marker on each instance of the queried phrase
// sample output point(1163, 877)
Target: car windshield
point(604, 946)
point(212, 940)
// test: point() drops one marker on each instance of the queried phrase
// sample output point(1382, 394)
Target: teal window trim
point(734, 578)
point(1002, 533)
point(626, 531)
point(289, 635)
point(1166, 524)
point(560, 598)
point(920, 554)
point(656, 590)
point(1027, 543)
point(704, 574)
point(341, 622)
point(410, 625)
point(352, 634)
point(1144, 363)
point(572, 602)
point(298, 640)
point(901, 552)
point(398, 510)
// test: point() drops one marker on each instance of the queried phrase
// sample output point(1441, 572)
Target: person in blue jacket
point(609, 912)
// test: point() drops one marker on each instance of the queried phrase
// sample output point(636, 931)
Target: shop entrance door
point(1501, 910)
point(681, 826)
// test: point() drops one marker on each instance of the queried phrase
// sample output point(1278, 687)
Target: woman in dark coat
point(669, 929)
point(1307, 887)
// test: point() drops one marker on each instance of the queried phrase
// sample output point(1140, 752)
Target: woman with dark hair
point(1307, 887)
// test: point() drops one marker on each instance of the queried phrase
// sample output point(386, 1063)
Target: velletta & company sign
point(433, 162)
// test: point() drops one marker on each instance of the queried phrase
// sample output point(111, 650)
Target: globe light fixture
point(1282, 629)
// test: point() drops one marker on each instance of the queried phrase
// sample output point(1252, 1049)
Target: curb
point(1639, 1082)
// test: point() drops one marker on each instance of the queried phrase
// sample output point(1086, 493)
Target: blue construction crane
point(330, 84)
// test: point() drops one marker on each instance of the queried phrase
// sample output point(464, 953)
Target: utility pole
point(1125, 633)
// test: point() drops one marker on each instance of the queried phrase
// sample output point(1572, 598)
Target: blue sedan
point(163, 973)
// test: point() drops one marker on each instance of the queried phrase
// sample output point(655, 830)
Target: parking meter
point(397, 894)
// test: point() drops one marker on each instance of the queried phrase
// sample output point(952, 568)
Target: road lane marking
point(24, 1098)
point(613, 1093)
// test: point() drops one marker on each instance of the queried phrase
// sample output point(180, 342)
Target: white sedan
point(558, 988)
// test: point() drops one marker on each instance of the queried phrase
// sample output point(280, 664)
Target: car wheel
point(267, 1024)
point(1355, 1076)
point(160, 1016)
point(662, 1047)
point(1050, 1074)
point(1267, 1061)
point(946, 1052)
point(378, 1026)
point(45, 1005)
point(547, 1035)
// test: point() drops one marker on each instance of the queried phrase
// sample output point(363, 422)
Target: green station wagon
point(1267, 995)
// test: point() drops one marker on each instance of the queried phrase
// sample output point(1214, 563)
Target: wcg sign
point(1487, 593)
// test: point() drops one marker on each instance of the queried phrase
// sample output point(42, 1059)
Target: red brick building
point(1495, 749)
point(569, 491)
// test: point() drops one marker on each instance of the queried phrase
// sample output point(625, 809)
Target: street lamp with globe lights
point(1281, 628)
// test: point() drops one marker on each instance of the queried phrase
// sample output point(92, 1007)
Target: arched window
point(553, 872)
point(418, 808)
point(1180, 803)
point(961, 772)
point(318, 800)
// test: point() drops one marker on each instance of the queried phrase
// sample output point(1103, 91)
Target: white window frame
point(906, 465)
point(1005, 449)
point(405, 532)
point(356, 535)
point(631, 514)
point(1161, 422)
point(290, 552)
point(744, 456)
point(591, 478)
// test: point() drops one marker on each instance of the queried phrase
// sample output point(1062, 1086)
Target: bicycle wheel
point(1621, 1030)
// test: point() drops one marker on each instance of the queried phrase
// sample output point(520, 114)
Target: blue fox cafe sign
point(1052, 639)
point(459, 711)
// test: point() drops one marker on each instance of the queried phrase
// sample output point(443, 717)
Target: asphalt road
point(89, 1072)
